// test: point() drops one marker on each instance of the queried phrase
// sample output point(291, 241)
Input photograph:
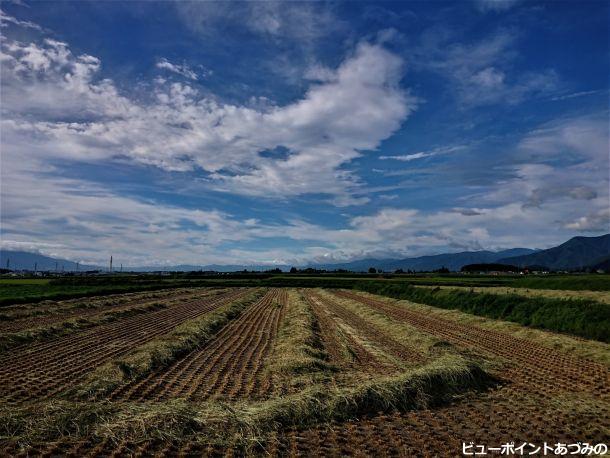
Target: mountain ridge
point(576, 253)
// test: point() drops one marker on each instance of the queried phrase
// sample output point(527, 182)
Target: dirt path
point(229, 365)
point(41, 370)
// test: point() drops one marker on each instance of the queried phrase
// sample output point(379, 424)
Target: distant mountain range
point(576, 253)
point(23, 260)
point(452, 261)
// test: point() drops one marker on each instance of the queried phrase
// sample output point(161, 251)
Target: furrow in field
point(39, 321)
point(49, 307)
point(542, 368)
point(229, 365)
point(52, 367)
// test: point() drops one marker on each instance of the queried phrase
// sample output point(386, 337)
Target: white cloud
point(424, 154)
point(5, 19)
point(573, 95)
point(594, 222)
point(495, 5)
point(585, 138)
point(78, 219)
point(407, 157)
point(180, 69)
point(481, 72)
point(53, 102)
point(55, 106)
point(302, 21)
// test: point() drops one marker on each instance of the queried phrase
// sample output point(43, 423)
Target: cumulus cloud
point(56, 108)
point(594, 222)
point(180, 69)
point(54, 101)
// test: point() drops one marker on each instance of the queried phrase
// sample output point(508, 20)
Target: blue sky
point(288, 132)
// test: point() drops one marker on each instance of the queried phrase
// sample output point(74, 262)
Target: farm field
point(287, 371)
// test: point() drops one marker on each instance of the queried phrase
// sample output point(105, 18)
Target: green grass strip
point(580, 317)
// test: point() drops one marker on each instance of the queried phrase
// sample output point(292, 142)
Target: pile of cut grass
point(407, 335)
point(248, 423)
point(297, 347)
point(429, 385)
point(162, 351)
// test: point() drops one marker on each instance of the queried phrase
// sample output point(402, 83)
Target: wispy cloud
point(424, 154)
point(407, 157)
point(495, 5)
point(180, 69)
point(5, 20)
point(272, 19)
point(480, 72)
point(577, 94)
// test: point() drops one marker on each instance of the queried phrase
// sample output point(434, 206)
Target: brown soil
point(37, 321)
point(230, 365)
point(44, 369)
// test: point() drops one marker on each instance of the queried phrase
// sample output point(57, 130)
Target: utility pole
point(110, 264)
point(35, 267)
point(121, 267)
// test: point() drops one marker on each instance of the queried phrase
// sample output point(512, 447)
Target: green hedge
point(580, 317)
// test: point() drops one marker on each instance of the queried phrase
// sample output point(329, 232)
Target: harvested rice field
point(287, 372)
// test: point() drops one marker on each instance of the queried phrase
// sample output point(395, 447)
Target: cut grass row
point(583, 318)
point(598, 296)
point(73, 325)
point(162, 351)
point(588, 349)
point(244, 422)
point(50, 308)
point(298, 353)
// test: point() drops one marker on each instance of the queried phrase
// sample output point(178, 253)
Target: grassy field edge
point(583, 318)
